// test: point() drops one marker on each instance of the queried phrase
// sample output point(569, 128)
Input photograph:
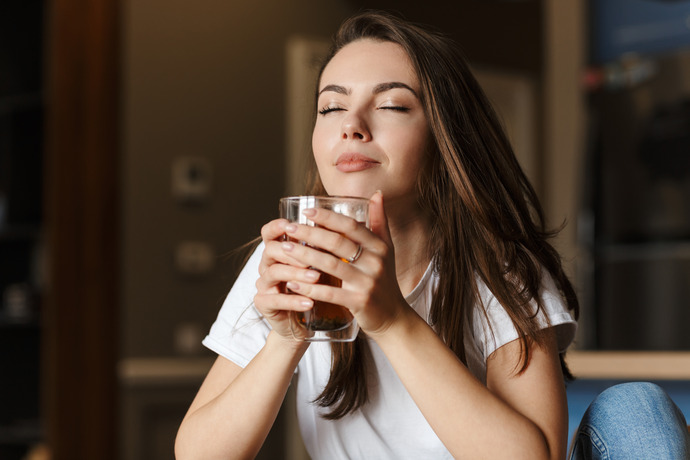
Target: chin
point(354, 191)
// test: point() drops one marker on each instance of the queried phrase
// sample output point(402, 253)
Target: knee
point(635, 402)
point(634, 398)
point(634, 391)
point(633, 416)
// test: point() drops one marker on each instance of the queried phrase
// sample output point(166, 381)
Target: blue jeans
point(632, 421)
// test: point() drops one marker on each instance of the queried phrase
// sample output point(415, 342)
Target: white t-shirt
point(390, 426)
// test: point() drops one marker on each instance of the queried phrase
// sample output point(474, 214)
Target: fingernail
point(292, 285)
point(291, 228)
point(307, 303)
point(311, 212)
point(287, 247)
point(312, 275)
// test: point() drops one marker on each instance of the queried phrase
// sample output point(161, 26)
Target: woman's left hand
point(370, 287)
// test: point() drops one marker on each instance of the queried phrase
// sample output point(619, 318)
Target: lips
point(353, 162)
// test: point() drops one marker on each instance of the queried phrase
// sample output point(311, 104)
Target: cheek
point(320, 143)
point(320, 149)
point(416, 147)
point(317, 150)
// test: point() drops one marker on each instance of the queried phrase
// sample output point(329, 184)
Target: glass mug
point(325, 322)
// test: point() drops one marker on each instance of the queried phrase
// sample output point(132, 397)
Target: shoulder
point(244, 289)
point(239, 330)
point(492, 324)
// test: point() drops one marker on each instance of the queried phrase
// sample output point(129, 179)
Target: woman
point(463, 305)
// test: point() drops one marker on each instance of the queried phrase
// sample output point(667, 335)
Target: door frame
point(80, 320)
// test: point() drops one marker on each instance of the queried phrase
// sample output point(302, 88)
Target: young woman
point(463, 306)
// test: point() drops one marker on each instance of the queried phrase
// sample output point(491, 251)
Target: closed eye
point(327, 110)
point(396, 108)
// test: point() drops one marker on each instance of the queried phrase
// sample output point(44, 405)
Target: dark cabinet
point(639, 175)
point(21, 191)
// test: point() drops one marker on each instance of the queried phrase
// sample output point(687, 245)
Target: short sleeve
point(240, 331)
point(499, 329)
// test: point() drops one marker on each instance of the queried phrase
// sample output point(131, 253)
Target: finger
point(272, 232)
point(355, 231)
point(280, 273)
point(338, 223)
point(327, 240)
point(378, 219)
point(272, 304)
point(308, 256)
point(274, 229)
point(274, 253)
point(329, 294)
point(327, 263)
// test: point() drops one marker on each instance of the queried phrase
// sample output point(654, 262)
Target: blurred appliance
point(638, 175)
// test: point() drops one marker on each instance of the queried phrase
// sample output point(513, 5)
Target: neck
point(410, 235)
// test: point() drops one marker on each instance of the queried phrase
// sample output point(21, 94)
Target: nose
point(355, 127)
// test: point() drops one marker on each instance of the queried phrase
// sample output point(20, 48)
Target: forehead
point(369, 62)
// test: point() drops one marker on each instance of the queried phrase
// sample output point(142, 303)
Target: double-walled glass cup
point(325, 322)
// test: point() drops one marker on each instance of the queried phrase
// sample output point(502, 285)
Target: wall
point(200, 79)
point(507, 34)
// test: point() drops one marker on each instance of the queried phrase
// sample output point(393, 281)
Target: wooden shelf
point(137, 372)
point(630, 365)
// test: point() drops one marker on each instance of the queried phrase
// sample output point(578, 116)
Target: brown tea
point(325, 316)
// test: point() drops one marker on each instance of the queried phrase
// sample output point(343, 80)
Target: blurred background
point(142, 143)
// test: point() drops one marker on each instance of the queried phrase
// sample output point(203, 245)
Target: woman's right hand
point(276, 269)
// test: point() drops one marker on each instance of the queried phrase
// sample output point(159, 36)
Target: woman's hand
point(276, 270)
point(370, 287)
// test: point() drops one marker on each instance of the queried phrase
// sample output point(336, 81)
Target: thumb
point(377, 217)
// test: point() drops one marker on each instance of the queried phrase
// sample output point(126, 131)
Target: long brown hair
point(486, 217)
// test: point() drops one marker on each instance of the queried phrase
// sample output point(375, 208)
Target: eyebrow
point(380, 88)
point(336, 89)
